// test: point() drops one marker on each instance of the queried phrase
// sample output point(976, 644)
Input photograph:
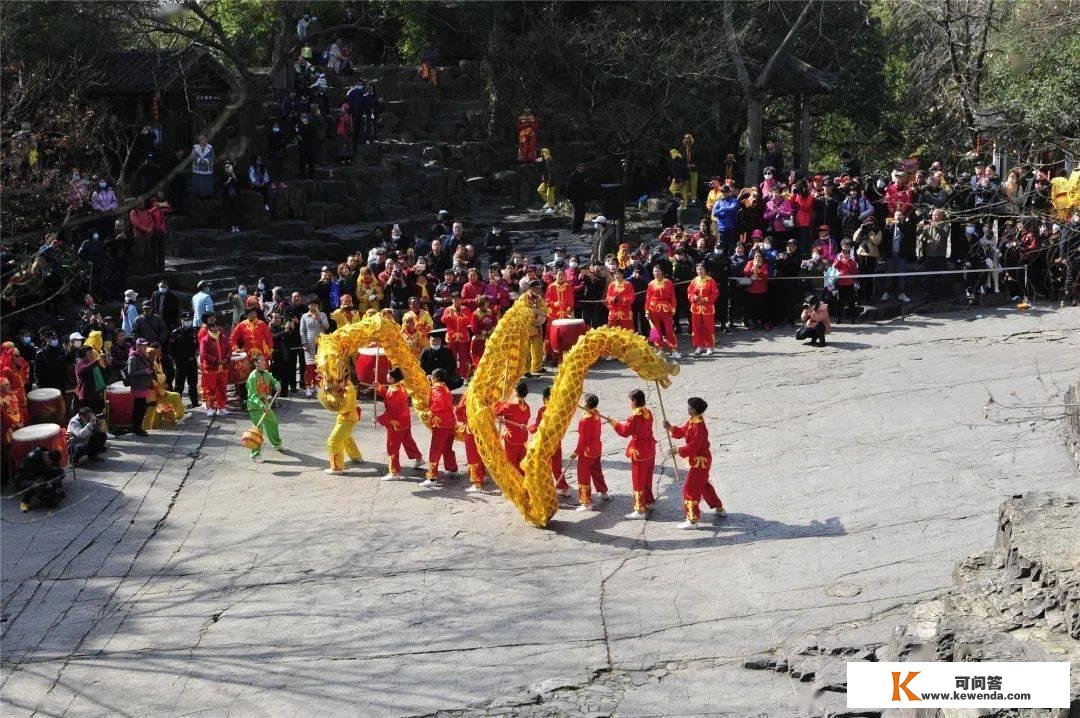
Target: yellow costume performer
point(168, 408)
point(340, 441)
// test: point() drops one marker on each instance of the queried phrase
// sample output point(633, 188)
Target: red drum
point(564, 333)
point(365, 365)
point(239, 368)
point(51, 436)
point(46, 406)
point(119, 406)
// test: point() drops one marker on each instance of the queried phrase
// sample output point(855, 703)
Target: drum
point(119, 406)
point(51, 436)
point(564, 333)
point(239, 368)
point(46, 406)
point(365, 365)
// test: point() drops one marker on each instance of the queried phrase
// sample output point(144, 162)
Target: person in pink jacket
point(778, 214)
point(815, 314)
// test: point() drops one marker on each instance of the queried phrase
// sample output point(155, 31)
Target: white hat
point(600, 219)
point(76, 335)
point(130, 295)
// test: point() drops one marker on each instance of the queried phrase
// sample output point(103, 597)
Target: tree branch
point(766, 71)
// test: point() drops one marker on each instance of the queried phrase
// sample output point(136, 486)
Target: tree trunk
point(752, 161)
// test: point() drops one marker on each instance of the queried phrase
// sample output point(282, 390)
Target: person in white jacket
point(312, 325)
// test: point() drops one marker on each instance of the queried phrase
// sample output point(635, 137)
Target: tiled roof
point(140, 71)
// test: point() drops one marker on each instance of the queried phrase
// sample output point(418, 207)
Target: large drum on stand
point(46, 406)
point(239, 368)
point(119, 406)
point(564, 333)
point(365, 366)
point(50, 436)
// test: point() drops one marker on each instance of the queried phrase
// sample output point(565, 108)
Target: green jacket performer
point(262, 389)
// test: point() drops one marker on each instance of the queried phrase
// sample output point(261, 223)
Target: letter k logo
point(898, 685)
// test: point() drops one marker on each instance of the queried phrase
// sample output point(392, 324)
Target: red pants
point(589, 474)
point(463, 358)
point(309, 376)
point(623, 320)
point(703, 330)
point(557, 471)
point(664, 327)
point(441, 449)
point(514, 452)
point(695, 488)
point(215, 385)
point(641, 479)
point(395, 442)
point(477, 472)
point(476, 349)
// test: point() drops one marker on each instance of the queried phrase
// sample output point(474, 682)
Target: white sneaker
point(334, 472)
point(676, 355)
point(474, 489)
point(708, 352)
point(687, 525)
point(392, 477)
point(636, 515)
point(266, 207)
point(418, 464)
point(904, 298)
point(604, 495)
point(310, 393)
point(429, 484)
point(584, 507)
point(885, 296)
point(967, 293)
point(222, 412)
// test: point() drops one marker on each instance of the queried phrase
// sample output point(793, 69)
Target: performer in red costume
point(253, 336)
point(660, 308)
point(527, 128)
point(702, 293)
point(587, 452)
point(557, 474)
point(477, 471)
point(620, 303)
point(560, 297)
point(398, 424)
point(641, 451)
point(697, 455)
point(215, 353)
point(456, 320)
point(514, 415)
point(443, 426)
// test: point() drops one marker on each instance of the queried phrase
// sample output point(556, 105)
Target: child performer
point(587, 454)
point(697, 455)
point(398, 424)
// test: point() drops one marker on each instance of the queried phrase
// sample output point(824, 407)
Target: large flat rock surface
point(179, 578)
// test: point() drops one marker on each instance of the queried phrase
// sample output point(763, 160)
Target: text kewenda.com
point(965, 696)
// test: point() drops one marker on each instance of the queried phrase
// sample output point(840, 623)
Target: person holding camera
point(815, 314)
point(86, 438)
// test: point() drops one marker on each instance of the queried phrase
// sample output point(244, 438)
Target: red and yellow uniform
point(660, 308)
point(424, 322)
point(215, 352)
point(642, 454)
point(515, 417)
point(482, 324)
point(477, 472)
point(588, 451)
point(443, 426)
point(620, 303)
point(414, 338)
point(469, 292)
point(559, 298)
point(12, 414)
point(702, 293)
point(623, 256)
point(253, 336)
point(398, 424)
point(699, 457)
point(369, 293)
point(344, 316)
point(557, 474)
point(456, 320)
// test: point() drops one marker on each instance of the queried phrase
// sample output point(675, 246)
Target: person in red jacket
point(660, 308)
point(482, 324)
point(456, 320)
point(253, 336)
point(214, 356)
point(557, 474)
point(754, 299)
point(159, 212)
point(514, 415)
point(587, 452)
point(443, 427)
point(397, 421)
point(477, 470)
point(696, 452)
point(471, 290)
point(845, 286)
point(620, 302)
point(802, 203)
point(702, 293)
point(560, 297)
point(641, 451)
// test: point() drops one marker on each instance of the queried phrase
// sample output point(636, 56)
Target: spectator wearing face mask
point(104, 202)
point(202, 168)
point(238, 304)
point(129, 312)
